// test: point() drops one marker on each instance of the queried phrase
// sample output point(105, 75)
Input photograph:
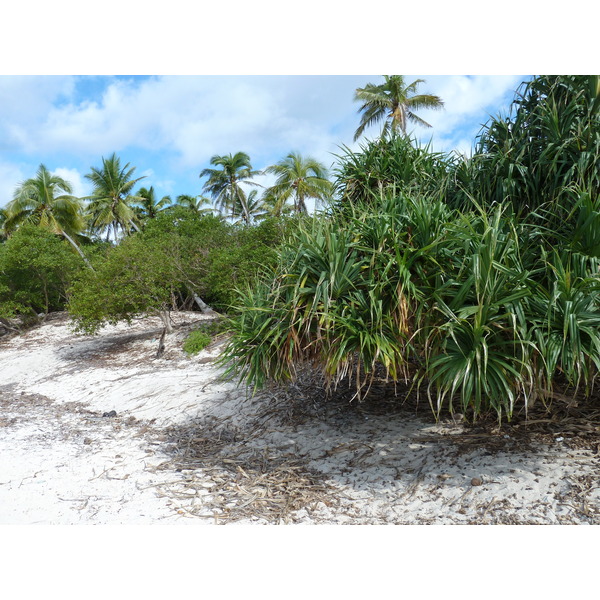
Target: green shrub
point(399, 164)
point(195, 342)
point(36, 270)
point(462, 304)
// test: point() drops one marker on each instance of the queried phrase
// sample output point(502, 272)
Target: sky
point(166, 88)
point(169, 127)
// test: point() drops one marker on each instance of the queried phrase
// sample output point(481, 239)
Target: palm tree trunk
point(201, 304)
point(205, 308)
point(79, 251)
point(301, 205)
point(244, 205)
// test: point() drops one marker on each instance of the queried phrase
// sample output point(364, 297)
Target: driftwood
point(7, 327)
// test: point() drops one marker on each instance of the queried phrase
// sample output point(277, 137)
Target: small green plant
point(195, 342)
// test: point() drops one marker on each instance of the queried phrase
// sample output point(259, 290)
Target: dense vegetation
point(474, 279)
point(458, 275)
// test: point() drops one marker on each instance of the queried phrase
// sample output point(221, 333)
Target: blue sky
point(168, 127)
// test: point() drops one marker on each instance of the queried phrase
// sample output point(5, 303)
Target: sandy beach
point(97, 430)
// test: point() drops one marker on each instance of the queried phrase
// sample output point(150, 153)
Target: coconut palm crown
point(197, 204)
point(150, 206)
point(224, 183)
point(299, 178)
point(393, 102)
point(47, 201)
point(111, 199)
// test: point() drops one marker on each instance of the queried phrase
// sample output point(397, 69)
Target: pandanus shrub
point(330, 302)
point(548, 142)
point(477, 280)
point(453, 303)
point(564, 317)
point(406, 285)
point(478, 346)
point(397, 163)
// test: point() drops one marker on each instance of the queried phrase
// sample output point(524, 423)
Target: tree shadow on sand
point(297, 453)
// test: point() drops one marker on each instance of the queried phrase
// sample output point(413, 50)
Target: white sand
point(62, 462)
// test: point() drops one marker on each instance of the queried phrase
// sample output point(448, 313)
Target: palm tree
point(298, 178)
point(393, 102)
point(3, 217)
point(149, 206)
point(47, 200)
point(111, 199)
point(275, 205)
point(224, 184)
point(255, 209)
point(196, 203)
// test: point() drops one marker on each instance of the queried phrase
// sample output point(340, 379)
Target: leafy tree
point(299, 178)
point(190, 238)
point(47, 201)
point(179, 257)
point(36, 270)
point(224, 183)
point(110, 206)
point(148, 272)
point(393, 102)
point(215, 257)
point(136, 278)
point(242, 256)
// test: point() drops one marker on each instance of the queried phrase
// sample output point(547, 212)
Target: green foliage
point(395, 103)
point(547, 148)
point(564, 316)
point(453, 301)
point(241, 257)
point(477, 351)
point(385, 165)
point(135, 278)
point(179, 254)
point(341, 297)
point(36, 270)
point(195, 342)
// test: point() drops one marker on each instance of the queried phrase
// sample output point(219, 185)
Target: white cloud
point(180, 122)
point(81, 186)
point(194, 117)
point(468, 103)
point(24, 104)
point(10, 177)
point(32, 95)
